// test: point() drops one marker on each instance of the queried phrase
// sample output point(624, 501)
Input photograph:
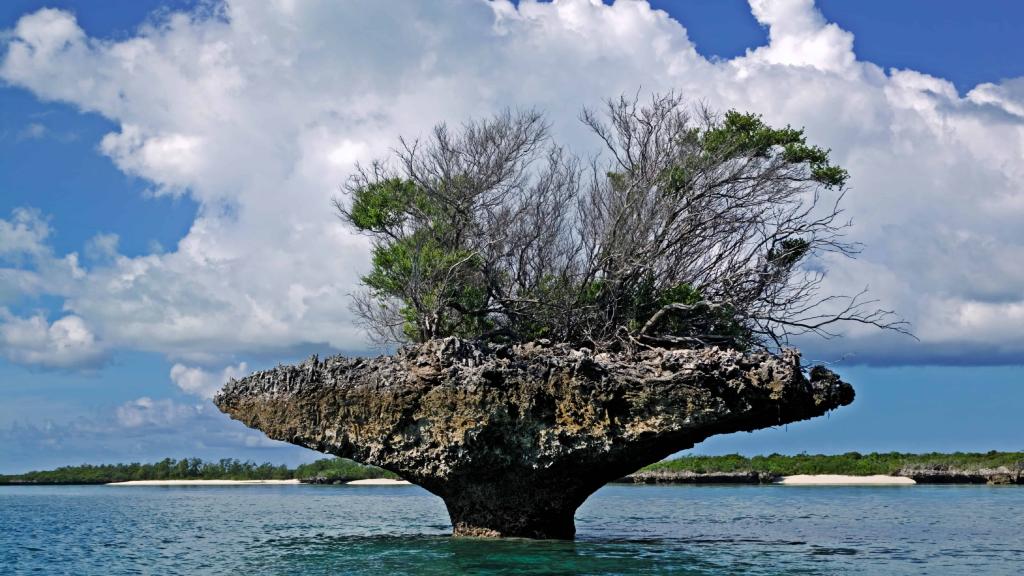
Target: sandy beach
point(367, 482)
point(200, 482)
point(844, 480)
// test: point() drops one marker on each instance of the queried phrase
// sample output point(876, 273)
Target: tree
point(693, 229)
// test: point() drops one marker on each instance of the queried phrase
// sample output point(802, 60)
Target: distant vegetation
point(331, 470)
point(326, 470)
point(852, 463)
point(339, 470)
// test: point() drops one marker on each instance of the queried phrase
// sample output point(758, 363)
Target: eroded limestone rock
point(514, 438)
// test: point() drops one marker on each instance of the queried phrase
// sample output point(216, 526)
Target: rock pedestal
point(514, 438)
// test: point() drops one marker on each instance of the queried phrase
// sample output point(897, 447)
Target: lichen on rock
point(514, 438)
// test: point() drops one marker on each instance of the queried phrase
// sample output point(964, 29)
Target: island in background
point(933, 468)
point(325, 471)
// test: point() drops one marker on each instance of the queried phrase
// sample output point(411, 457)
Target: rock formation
point(952, 475)
point(514, 438)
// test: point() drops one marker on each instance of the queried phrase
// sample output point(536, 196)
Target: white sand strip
point(200, 482)
point(378, 482)
point(844, 480)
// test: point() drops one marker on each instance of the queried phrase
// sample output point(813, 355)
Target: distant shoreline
point(1003, 468)
point(997, 476)
point(201, 482)
point(672, 478)
point(931, 468)
point(379, 482)
point(292, 482)
point(844, 480)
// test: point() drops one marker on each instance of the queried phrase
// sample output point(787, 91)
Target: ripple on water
point(404, 530)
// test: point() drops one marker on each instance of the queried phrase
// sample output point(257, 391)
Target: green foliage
point(329, 469)
point(678, 178)
point(851, 463)
point(472, 238)
point(413, 260)
point(829, 175)
point(789, 252)
point(638, 301)
point(426, 269)
point(747, 135)
point(646, 298)
point(381, 206)
point(166, 469)
point(344, 470)
point(340, 470)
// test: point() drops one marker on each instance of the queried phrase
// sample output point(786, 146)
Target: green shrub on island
point(851, 463)
point(332, 470)
point(338, 470)
point(166, 469)
point(694, 229)
point(327, 470)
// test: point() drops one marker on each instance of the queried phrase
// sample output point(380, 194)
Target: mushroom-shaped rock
point(514, 438)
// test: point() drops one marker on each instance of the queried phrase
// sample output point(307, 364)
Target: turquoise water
point(255, 530)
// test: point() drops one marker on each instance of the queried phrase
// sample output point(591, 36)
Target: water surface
point(101, 530)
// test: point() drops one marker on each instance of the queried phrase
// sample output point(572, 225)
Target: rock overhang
point(515, 437)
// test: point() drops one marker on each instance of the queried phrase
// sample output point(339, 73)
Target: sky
point(166, 171)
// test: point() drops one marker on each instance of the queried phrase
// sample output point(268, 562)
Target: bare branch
point(693, 229)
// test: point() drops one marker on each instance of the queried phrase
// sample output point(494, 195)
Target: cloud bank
point(140, 430)
point(204, 383)
point(258, 110)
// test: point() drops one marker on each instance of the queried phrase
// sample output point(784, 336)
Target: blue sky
point(139, 273)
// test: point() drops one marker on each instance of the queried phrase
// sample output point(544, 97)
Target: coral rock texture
point(514, 438)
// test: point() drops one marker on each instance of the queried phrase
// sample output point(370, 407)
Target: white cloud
point(102, 246)
point(800, 36)
point(203, 383)
point(170, 160)
point(144, 429)
point(24, 234)
point(48, 31)
point(33, 131)
point(66, 343)
point(27, 262)
point(1008, 96)
point(147, 412)
point(259, 114)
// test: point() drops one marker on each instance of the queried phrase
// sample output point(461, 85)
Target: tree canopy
point(693, 228)
point(327, 469)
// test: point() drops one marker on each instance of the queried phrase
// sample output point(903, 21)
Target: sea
point(621, 529)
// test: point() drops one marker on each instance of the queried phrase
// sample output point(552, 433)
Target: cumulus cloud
point(1008, 96)
point(32, 340)
point(102, 246)
point(258, 111)
point(27, 262)
point(204, 383)
point(170, 160)
point(23, 235)
point(205, 428)
point(144, 429)
point(145, 411)
point(29, 266)
point(799, 36)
